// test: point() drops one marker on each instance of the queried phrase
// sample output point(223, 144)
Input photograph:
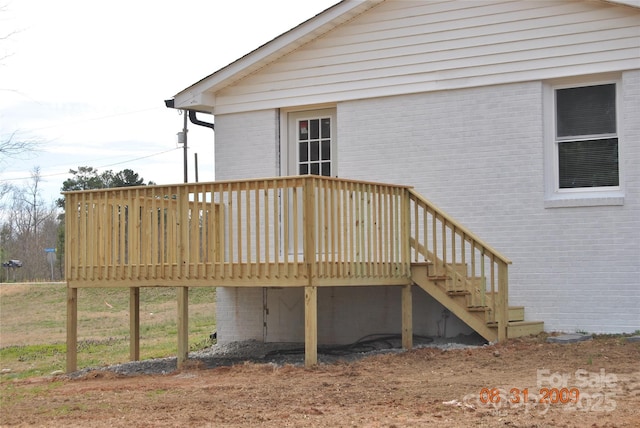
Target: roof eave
point(201, 95)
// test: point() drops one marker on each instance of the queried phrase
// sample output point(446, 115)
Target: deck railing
point(287, 231)
point(459, 259)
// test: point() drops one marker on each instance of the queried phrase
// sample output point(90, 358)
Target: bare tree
point(5, 36)
point(13, 147)
point(29, 228)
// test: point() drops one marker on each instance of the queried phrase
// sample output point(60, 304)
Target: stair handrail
point(413, 194)
point(499, 305)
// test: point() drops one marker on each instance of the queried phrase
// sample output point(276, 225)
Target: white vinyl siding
point(401, 47)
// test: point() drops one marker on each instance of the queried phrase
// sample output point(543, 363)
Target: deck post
point(183, 325)
point(134, 323)
point(310, 291)
point(503, 301)
point(72, 329)
point(310, 326)
point(407, 317)
point(407, 301)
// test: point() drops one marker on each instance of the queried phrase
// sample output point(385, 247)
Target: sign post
point(51, 257)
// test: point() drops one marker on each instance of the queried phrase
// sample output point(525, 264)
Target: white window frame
point(556, 197)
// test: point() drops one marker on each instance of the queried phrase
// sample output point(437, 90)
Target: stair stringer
point(419, 277)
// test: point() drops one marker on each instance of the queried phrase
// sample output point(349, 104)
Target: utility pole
point(195, 165)
point(184, 145)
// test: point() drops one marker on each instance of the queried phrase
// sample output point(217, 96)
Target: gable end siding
point(402, 47)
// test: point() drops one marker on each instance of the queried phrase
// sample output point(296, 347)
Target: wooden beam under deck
point(255, 274)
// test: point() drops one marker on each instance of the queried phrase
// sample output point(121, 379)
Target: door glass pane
point(326, 128)
point(304, 151)
point(315, 151)
point(326, 149)
point(303, 127)
point(315, 129)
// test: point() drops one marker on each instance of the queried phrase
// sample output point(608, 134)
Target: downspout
point(196, 121)
point(192, 115)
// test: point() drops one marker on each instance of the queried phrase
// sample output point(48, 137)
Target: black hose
point(364, 344)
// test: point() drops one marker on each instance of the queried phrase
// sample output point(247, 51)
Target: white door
point(309, 147)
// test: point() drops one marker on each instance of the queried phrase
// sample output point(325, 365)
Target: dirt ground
point(588, 384)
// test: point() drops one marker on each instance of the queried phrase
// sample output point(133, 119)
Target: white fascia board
point(633, 3)
point(276, 48)
point(193, 100)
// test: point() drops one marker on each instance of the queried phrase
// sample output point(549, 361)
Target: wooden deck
point(306, 231)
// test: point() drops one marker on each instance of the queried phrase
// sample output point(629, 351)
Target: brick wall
point(249, 152)
point(478, 154)
point(250, 145)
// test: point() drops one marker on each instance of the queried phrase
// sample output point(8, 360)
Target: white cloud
point(88, 78)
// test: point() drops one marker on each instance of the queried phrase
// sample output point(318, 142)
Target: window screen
point(591, 163)
point(588, 110)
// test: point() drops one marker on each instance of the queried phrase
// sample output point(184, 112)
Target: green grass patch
point(33, 326)
point(32, 352)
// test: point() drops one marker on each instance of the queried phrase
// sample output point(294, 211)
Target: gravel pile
point(283, 353)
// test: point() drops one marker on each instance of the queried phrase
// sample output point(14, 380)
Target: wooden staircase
point(467, 298)
point(462, 272)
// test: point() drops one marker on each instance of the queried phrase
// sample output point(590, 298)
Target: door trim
point(288, 149)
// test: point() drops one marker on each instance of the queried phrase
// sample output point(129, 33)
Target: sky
point(87, 80)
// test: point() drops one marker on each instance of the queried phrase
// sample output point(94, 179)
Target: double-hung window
point(585, 141)
point(586, 136)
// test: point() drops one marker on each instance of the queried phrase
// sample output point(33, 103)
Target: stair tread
point(525, 322)
point(478, 308)
point(425, 263)
point(516, 323)
point(458, 292)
